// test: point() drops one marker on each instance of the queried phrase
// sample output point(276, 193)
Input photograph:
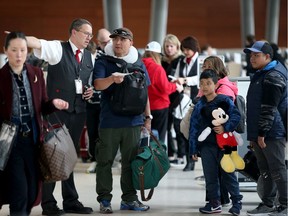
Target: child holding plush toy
point(211, 153)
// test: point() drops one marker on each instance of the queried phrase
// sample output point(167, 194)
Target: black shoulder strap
point(218, 88)
point(122, 62)
point(181, 67)
point(115, 60)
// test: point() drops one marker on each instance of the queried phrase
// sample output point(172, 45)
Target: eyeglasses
point(86, 33)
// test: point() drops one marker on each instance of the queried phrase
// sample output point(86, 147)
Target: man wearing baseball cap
point(267, 126)
point(116, 130)
point(122, 32)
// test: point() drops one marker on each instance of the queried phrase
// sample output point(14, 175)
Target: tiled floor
point(178, 193)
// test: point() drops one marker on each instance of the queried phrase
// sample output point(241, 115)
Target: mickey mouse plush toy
point(226, 141)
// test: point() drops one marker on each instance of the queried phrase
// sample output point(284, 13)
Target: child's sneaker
point(105, 207)
point(235, 209)
point(134, 205)
point(211, 207)
point(262, 209)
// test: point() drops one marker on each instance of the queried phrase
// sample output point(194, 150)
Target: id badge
point(79, 86)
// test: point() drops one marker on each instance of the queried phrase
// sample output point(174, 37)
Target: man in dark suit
point(70, 66)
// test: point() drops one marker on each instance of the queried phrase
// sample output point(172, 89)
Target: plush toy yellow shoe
point(237, 160)
point(227, 163)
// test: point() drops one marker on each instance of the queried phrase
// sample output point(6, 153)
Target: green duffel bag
point(149, 166)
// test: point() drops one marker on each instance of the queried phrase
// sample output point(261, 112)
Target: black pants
point(170, 141)
point(160, 122)
point(182, 142)
point(75, 123)
point(23, 175)
point(92, 124)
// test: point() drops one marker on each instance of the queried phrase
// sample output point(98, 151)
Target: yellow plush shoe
point(227, 163)
point(237, 160)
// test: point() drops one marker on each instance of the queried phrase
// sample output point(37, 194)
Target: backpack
point(180, 111)
point(129, 97)
point(239, 102)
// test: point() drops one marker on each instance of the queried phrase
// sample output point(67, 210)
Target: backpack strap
point(114, 60)
point(218, 88)
point(121, 61)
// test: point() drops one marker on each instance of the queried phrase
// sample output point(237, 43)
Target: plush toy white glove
point(205, 133)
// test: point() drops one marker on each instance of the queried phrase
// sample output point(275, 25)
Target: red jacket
point(160, 87)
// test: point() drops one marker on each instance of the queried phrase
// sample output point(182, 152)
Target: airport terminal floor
point(178, 193)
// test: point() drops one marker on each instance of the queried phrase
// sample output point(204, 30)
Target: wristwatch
point(149, 117)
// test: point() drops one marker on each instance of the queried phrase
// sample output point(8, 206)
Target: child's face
point(206, 65)
point(207, 86)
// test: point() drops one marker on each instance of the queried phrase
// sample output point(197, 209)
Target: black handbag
point(251, 169)
point(8, 133)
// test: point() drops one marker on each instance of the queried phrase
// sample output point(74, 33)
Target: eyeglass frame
point(86, 33)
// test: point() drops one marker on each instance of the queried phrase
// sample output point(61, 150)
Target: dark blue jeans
point(211, 156)
point(271, 163)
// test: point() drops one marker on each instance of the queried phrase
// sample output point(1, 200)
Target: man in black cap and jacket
point(267, 126)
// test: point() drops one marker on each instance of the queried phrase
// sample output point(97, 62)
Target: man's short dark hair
point(209, 73)
point(77, 23)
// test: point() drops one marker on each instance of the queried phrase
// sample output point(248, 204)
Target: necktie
point(77, 56)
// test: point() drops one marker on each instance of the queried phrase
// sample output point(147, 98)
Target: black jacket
point(267, 103)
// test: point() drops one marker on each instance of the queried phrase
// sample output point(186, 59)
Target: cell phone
point(172, 77)
point(86, 87)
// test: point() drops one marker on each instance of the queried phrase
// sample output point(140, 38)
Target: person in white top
point(186, 74)
point(66, 79)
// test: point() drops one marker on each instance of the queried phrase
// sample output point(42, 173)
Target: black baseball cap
point(122, 32)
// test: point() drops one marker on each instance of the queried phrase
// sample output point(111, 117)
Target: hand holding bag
point(149, 166)
point(58, 155)
point(8, 133)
